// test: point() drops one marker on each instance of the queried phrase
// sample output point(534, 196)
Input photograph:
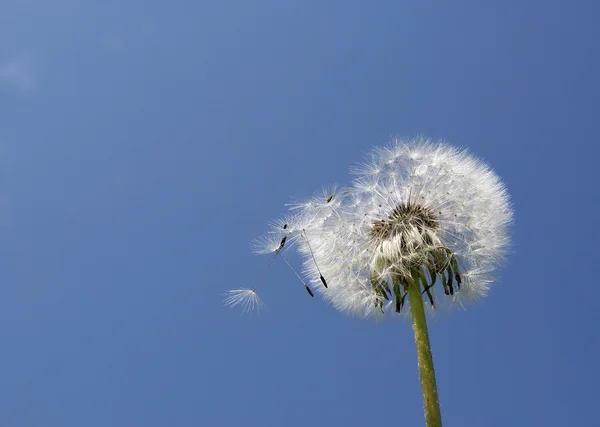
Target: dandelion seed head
point(417, 211)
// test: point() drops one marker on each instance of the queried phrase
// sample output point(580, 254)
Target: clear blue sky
point(144, 144)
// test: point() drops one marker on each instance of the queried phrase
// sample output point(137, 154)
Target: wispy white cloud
point(18, 73)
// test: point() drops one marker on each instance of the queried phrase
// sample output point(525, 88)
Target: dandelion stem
point(433, 416)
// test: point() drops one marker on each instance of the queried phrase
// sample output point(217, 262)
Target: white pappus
point(418, 211)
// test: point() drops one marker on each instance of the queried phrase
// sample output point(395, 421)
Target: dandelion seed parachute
point(247, 299)
point(417, 211)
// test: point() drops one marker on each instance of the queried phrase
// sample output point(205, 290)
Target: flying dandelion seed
point(247, 299)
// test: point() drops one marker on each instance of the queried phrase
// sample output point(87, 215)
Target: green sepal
point(450, 278)
point(432, 273)
point(445, 284)
point(456, 271)
point(402, 299)
point(426, 286)
point(399, 299)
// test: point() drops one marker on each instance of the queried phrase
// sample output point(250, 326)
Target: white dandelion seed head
point(417, 211)
point(414, 205)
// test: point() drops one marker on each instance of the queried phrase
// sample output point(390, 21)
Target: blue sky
point(143, 145)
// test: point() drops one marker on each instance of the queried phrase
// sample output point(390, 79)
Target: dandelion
point(422, 225)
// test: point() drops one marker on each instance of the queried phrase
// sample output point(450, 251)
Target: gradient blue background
point(144, 144)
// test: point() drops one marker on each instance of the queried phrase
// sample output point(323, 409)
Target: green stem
point(433, 416)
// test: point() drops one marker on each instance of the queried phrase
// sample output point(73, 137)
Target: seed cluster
point(403, 217)
point(407, 238)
